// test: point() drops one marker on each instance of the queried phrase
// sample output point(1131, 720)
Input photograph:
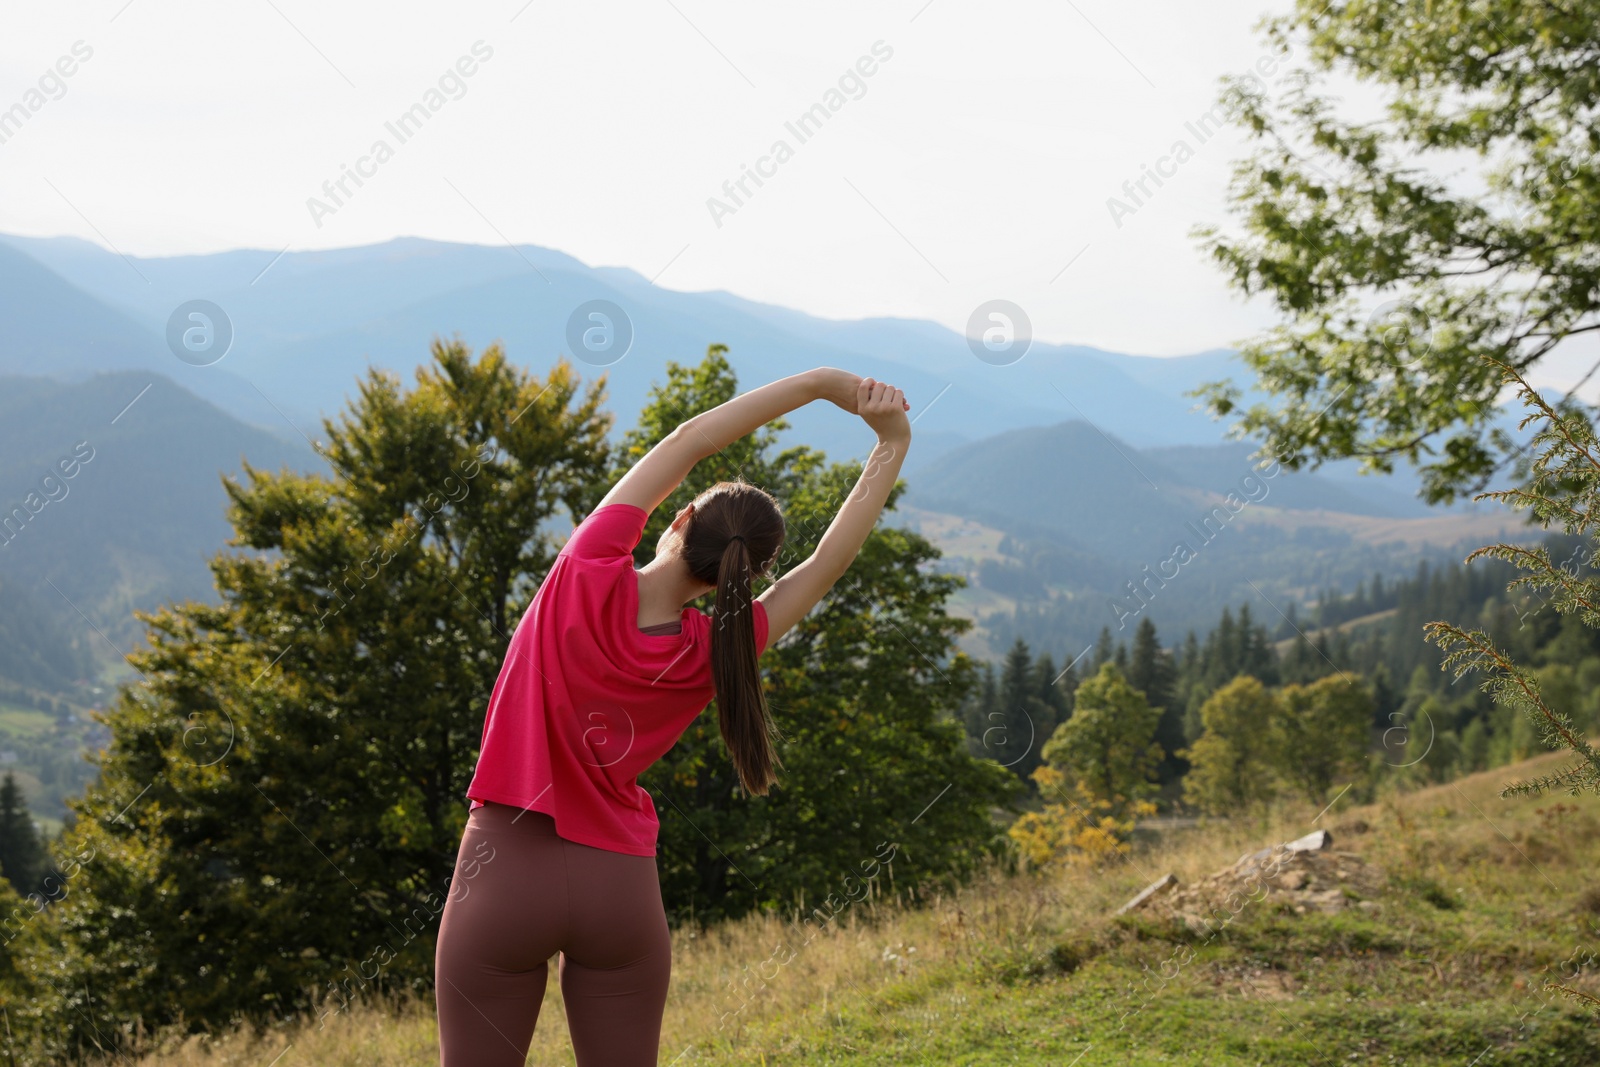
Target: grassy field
point(1472, 904)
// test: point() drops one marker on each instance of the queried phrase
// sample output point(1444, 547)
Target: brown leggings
point(520, 894)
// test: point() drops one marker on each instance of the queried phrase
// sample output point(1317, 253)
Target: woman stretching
point(606, 670)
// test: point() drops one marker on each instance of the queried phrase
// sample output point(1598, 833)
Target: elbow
point(689, 437)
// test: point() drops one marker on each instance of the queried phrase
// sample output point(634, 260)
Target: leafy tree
point(1321, 733)
point(29, 950)
point(277, 811)
point(867, 692)
point(1340, 215)
point(1108, 745)
point(22, 856)
point(1085, 830)
point(1231, 765)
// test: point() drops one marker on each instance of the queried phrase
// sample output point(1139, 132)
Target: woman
point(607, 668)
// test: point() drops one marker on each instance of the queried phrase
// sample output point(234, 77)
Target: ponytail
point(742, 712)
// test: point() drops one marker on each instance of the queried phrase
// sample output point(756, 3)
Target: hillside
point(1085, 529)
point(1425, 937)
point(133, 524)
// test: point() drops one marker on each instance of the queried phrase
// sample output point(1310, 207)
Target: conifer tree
point(1561, 488)
point(22, 855)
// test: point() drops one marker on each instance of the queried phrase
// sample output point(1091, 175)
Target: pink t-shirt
point(585, 700)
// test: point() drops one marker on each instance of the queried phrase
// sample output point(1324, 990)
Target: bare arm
point(791, 597)
point(653, 478)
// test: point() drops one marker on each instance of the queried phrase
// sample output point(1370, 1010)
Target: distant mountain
point(1076, 485)
point(309, 324)
point(1089, 462)
point(111, 496)
point(56, 329)
point(1335, 487)
point(39, 647)
point(1065, 529)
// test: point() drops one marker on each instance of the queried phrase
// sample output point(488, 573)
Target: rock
point(1297, 877)
point(1161, 885)
point(1312, 842)
point(1250, 859)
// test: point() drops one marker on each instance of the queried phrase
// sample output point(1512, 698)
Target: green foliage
point(1011, 718)
point(1320, 733)
point(1108, 746)
point(1235, 646)
point(1151, 672)
point(1340, 215)
point(276, 815)
point(1232, 762)
point(22, 857)
point(278, 809)
point(1562, 488)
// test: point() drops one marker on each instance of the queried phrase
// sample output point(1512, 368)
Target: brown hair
point(732, 538)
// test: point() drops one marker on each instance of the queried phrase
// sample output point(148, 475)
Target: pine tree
point(978, 707)
point(1050, 688)
point(22, 855)
point(1021, 721)
point(1150, 670)
point(1562, 489)
point(1066, 690)
point(1103, 651)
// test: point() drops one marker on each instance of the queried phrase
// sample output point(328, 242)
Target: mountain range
point(1098, 454)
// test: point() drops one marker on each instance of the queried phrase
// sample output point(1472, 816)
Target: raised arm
point(653, 478)
point(789, 598)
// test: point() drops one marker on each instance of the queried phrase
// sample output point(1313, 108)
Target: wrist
point(814, 382)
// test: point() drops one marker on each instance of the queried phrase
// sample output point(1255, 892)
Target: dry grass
point(740, 988)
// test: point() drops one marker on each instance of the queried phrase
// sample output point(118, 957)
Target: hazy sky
point(968, 155)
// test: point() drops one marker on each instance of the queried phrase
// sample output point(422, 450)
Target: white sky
point(976, 165)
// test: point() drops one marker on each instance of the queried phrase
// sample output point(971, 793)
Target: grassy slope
point(1484, 898)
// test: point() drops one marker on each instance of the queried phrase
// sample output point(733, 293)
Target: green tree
point(1231, 765)
point(1021, 720)
point(1400, 280)
point(867, 692)
point(1104, 649)
point(1065, 686)
point(1055, 688)
point(1320, 733)
point(1108, 745)
point(982, 703)
point(278, 808)
point(1150, 671)
point(22, 856)
point(30, 949)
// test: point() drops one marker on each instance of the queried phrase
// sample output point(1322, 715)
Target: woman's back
point(585, 700)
